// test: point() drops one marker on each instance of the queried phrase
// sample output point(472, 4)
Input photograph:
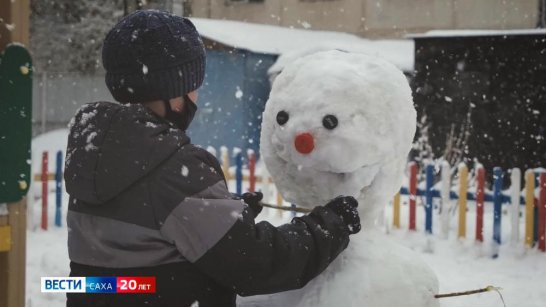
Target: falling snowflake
point(185, 171)
point(238, 93)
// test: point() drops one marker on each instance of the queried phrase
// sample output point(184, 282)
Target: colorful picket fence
point(44, 177)
point(535, 206)
point(225, 159)
point(533, 199)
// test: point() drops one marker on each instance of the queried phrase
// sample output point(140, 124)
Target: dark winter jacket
point(146, 202)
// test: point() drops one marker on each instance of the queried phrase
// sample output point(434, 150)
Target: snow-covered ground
point(460, 264)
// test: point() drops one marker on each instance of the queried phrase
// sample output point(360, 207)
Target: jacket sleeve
point(260, 258)
point(218, 234)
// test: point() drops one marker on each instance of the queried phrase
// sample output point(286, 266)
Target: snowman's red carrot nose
point(304, 143)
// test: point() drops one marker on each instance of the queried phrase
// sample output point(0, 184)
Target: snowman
point(339, 123)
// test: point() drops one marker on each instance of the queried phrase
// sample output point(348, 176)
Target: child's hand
point(253, 201)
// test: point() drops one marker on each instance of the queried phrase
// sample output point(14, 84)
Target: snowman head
point(338, 123)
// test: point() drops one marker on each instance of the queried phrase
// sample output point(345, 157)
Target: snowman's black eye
point(329, 122)
point(282, 117)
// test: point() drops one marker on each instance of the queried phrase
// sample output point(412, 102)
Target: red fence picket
point(252, 171)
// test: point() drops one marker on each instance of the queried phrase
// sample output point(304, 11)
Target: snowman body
point(338, 123)
point(372, 271)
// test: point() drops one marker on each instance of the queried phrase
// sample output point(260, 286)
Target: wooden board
point(13, 263)
point(5, 238)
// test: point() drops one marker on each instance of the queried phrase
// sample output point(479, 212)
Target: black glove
point(253, 202)
point(345, 208)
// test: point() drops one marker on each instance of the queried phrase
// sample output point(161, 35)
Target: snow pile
point(394, 51)
point(297, 42)
point(476, 32)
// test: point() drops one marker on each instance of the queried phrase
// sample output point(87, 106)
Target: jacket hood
point(111, 146)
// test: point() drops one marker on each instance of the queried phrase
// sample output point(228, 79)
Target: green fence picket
point(15, 123)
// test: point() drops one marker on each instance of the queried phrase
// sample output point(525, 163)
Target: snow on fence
point(532, 197)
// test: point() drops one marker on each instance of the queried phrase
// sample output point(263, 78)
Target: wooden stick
point(461, 293)
point(444, 295)
point(486, 289)
point(287, 208)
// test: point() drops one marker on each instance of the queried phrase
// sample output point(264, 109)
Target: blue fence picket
point(58, 188)
point(497, 201)
point(429, 196)
point(505, 199)
point(239, 173)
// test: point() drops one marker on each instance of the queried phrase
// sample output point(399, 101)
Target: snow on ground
point(463, 264)
point(460, 264)
point(47, 255)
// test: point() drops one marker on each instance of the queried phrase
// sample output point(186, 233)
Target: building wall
point(232, 100)
point(376, 18)
point(513, 14)
point(338, 15)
